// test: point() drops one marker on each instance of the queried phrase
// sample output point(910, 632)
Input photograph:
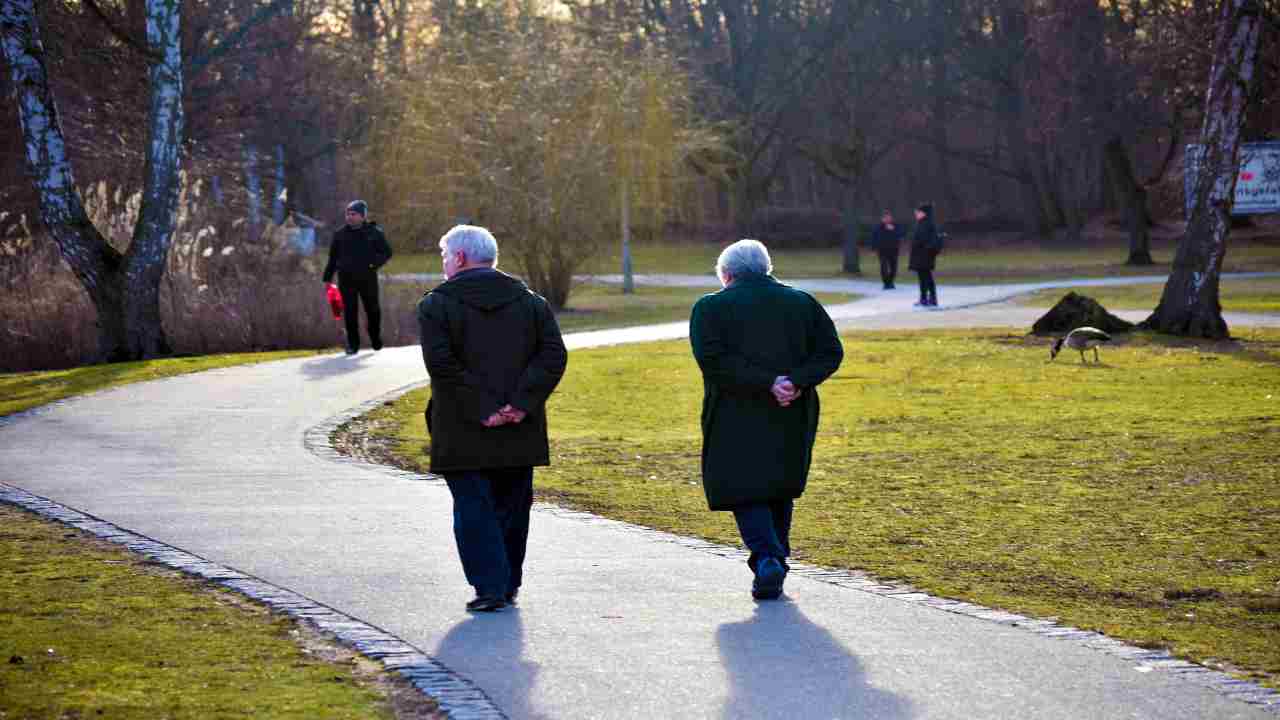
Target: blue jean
point(766, 530)
point(491, 525)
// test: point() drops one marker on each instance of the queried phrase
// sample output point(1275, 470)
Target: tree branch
point(130, 41)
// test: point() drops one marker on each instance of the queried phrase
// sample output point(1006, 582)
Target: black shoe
point(486, 603)
point(512, 596)
point(377, 345)
point(770, 575)
point(352, 350)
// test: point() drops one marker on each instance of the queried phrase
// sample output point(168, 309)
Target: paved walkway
point(615, 622)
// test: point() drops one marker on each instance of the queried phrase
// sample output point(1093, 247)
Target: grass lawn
point(1139, 497)
point(1249, 296)
point(958, 265)
point(22, 391)
point(90, 630)
point(592, 307)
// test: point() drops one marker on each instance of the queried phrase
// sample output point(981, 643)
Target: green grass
point(1249, 296)
point(89, 630)
point(958, 265)
point(22, 391)
point(592, 307)
point(1139, 497)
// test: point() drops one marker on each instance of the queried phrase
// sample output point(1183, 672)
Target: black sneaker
point(486, 603)
point(770, 576)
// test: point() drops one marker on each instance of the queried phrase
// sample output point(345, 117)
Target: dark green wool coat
point(743, 337)
point(488, 341)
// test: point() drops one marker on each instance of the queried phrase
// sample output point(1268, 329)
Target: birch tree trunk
point(124, 288)
point(1189, 304)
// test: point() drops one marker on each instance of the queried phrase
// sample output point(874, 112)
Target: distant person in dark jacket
point(357, 251)
point(494, 353)
point(763, 349)
point(925, 246)
point(885, 239)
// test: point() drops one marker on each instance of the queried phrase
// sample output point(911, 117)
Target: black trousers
point(491, 526)
point(355, 288)
point(765, 530)
point(888, 266)
point(928, 288)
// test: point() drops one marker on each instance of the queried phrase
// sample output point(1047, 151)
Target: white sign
point(1257, 185)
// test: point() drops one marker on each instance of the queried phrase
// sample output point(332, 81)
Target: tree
point(539, 132)
point(124, 287)
point(1189, 304)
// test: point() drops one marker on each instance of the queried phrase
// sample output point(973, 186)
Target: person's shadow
point(487, 649)
point(329, 365)
point(781, 665)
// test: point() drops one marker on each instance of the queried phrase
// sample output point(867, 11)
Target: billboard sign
point(1257, 185)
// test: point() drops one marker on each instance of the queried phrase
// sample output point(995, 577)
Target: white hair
point(473, 241)
point(745, 257)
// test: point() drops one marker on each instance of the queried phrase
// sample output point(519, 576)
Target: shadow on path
point(330, 365)
point(488, 649)
point(781, 665)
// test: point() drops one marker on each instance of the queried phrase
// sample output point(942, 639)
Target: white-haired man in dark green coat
point(763, 348)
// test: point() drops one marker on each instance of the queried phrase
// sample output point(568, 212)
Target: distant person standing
point(494, 353)
point(925, 246)
point(357, 251)
point(885, 239)
point(763, 349)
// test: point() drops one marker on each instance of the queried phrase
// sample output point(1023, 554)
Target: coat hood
point(484, 289)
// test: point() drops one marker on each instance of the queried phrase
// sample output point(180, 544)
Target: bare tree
point(1189, 304)
point(124, 287)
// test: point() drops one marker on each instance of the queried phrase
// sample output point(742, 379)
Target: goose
point(1082, 338)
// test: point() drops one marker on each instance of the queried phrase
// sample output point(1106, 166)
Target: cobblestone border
point(458, 697)
point(317, 440)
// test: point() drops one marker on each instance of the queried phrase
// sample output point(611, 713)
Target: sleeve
point(382, 250)
point(827, 353)
point(332, 265)
point(444, 367)
point(718, 362)
point(546, 368)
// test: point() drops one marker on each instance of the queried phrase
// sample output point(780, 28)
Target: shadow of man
point(781, 665)
point(329, 365)
point(488, 650)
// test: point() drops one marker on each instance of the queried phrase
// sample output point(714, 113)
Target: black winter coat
point(488, 341)
point(356, 251)
point(925, 245)
point(885, 240)
point(743, 337)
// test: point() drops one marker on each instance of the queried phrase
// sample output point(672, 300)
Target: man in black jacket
point(357, 251)
point(925, 246)
point(885, 238)
point(494, 353)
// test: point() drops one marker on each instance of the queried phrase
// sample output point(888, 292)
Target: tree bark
point(1133, 199)
point(1189, 304)
point(850, 262)
point(124, 288)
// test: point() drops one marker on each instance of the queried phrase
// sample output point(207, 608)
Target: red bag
point(335, 300)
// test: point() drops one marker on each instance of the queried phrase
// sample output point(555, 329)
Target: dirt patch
point(365, 439)
point(405, 700)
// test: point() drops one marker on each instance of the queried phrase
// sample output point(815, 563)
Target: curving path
point(615, 621)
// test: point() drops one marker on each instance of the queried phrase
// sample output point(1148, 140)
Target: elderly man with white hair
point(493, 350)
point(763, 348)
